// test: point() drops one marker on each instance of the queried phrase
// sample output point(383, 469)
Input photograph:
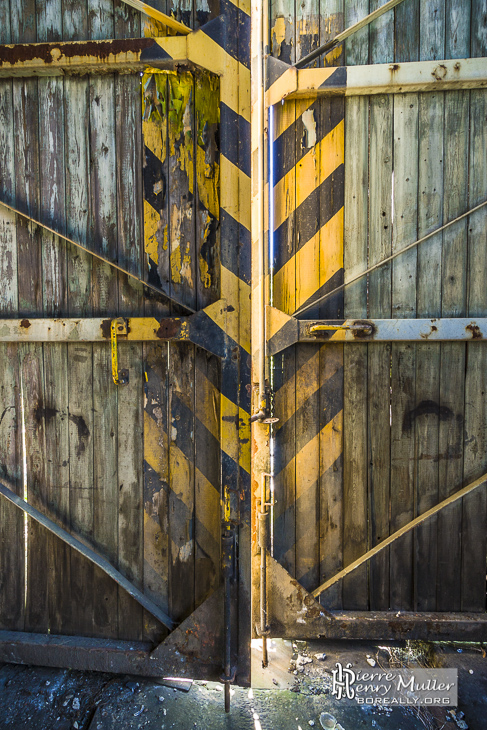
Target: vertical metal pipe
point(228, 542)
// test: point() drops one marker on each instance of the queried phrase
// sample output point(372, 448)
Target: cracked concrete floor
point(35, 698)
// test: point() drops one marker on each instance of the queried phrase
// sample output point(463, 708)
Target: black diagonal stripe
point(331, 308)
point(281, 374)
point(327, 400)
point(154, 180)
point(231, 30)
point(337, 79)
point(235, 247)
point(275, 69)
point(154, 53)
point(235, 136)
point(291, 146)
point(203, 447)
point(327, 198)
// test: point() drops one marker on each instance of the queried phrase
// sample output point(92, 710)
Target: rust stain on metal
point(168, 328)
point(366, 334)
point(394, 67)
point(25, 323)
point(426, 335)
point(474, 330)
point(439, 72)
point(105, 328)
point(48, 52)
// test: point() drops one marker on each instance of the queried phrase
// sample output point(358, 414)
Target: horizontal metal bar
point(389, 626)
point(88, 553)
point(346, 33)
point(284, 330)
point(74, 57)
point(387, 78)
point(104, 655)
point(204, 328)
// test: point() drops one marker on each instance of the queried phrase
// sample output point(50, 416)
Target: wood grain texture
point(12, 594)
point(355, 497)
point(403, 396)
point(428, 300)
point(474, 506)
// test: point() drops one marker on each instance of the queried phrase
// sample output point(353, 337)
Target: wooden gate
point(379, 385)
point(136, 164)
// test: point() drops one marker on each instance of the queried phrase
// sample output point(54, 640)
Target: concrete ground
point(290, 694)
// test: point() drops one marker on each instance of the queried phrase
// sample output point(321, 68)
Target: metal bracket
point(118, 328)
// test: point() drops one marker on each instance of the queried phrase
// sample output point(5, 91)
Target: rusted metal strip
point(399, 533)
point(166, 20)
point(191, 650)
point(346, 33)
point(88, 553)
point(200, 328)
point(288, 82)
point(96, 255)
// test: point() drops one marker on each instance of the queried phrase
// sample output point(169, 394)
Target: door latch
point(118, 328)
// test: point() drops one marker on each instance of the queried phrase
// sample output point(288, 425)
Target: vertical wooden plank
point(156, 364)
point(284, 248)
point(181, 426)
point(207, 192)
point(130, 541)
point(156, 481)
point(207, 368)
point(54, 284)
point(100, 19)
point(475, 447)
point(282, 28)
point(49, 14)
point(26, 146)
point(331, 114)
point(103, 226)
point(453, 304)
point(181, 188)
point(207, 475)
point(407, 31)
point(127, 23)
point(80, 356)
point(355, 527)
point(379, 305)
point(403, 355)
point(75, 20)
point(130, 488)
point(181, 480)
point(312, 158)
point(12, 545)
point(428, 296)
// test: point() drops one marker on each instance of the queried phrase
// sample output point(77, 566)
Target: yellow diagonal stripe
point(319, 163)
point(324, 250)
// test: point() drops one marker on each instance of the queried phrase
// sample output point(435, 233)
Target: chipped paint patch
point(309, 125)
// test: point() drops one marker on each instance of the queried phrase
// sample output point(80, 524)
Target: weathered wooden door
point(373, 433)
point(124, 158)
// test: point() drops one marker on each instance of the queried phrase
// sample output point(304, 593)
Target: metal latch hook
point(118, 327)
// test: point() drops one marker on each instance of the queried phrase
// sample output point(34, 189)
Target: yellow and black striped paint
point(210, 407)
point(308, 194)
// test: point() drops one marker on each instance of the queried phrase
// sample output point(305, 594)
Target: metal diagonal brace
point(399, 533)
point(166, 20)
point(88, 553)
